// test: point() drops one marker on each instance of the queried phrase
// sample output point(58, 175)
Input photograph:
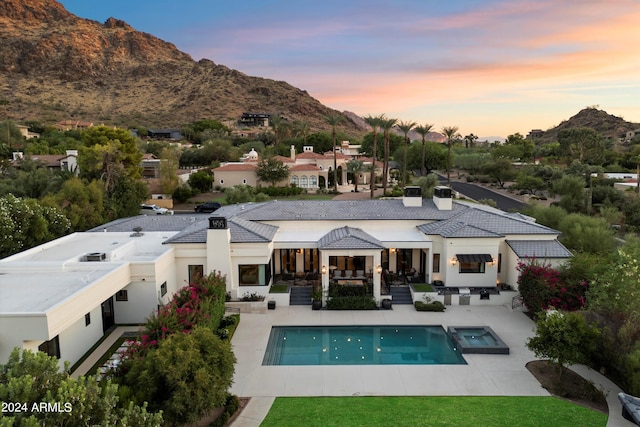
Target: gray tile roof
point(348, 238)
point(250, 231)
point(539, 249)
point(309, 210)
point(453, 229)
point(493, 223)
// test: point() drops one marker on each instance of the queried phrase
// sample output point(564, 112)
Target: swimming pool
point(361, 345)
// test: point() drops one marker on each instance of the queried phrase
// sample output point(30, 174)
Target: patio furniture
point(348, 274)
point(630, 407)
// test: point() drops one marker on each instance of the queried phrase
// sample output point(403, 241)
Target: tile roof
point(349, 238)
point(539, 249)
point(303, 167)
point(492, 222)
point(249, 166)
point(336, 210)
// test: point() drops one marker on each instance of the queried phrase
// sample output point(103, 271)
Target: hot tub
point(477, 340)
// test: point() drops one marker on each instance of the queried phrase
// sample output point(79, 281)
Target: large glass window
point(313, 181)
point(195, 272)
point(294, 180)
point(472, 267)
point(254, 274)
point(288, 260)
point(304, 183)
point(404, 259)
point(436, 263)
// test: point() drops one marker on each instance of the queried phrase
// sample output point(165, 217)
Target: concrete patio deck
point(484, 375)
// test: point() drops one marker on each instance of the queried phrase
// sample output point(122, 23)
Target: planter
point(316, 304)
point(386, 304)
point(271, 305)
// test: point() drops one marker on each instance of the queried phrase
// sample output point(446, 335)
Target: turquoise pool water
point(361, 345)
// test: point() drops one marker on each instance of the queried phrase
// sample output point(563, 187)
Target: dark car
point(208, 207)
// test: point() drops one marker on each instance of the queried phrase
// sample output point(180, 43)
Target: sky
point(490, 67)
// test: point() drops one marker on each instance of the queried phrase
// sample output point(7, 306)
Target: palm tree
point(276, 122)
point(374, 122)
point(354, 167)
point(302, 128)
point(423, 130)
point(334, 120)
point(450, 132)
point(470, 140)
point(386, 125)
point(405, 127)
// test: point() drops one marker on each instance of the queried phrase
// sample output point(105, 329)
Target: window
point(244, 181)
point(51, 347)
point(294, 180)
point(87, 319)
point(436, 263)
point(163, 289)
point(404, 260)
point(122, 295)
point(254, 274)
point(313, 181)
point(304, 183)
point(221, 181)
point(195, 272)
point(499, 262)
point(472, 267)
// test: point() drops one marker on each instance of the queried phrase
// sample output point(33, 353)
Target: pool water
point(361, 345)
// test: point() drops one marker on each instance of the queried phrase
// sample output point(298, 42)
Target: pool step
point(300, 295)
point(401, 295)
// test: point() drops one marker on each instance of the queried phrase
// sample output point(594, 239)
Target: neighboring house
point(62, 296)
point(68, 161)
point(24, 131)
point(309, 170)
point(254, 119)
point(150, 166)
point(164, 134)
point(72, 125)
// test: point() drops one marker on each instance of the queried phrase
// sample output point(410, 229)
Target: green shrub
point(432, 306)
point(230, 407)
point(352, 303)
point(182, 193)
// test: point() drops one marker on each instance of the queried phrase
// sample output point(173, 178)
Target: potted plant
point(316, 298)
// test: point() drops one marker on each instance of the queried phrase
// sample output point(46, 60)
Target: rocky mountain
point(56, 66)
point(606, 124)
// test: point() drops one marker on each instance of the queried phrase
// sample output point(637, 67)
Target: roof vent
point(137, 232)
point(95, 257)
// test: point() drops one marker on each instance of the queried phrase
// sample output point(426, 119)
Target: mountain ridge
point(57, 66)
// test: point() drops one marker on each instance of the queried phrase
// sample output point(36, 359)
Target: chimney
point(442, 198)
point(412, 197)
point(293, 152)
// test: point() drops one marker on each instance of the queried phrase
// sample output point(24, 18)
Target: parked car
point(154, 210)
point(208, 207)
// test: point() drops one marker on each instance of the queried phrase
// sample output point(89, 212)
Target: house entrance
point(108, 316)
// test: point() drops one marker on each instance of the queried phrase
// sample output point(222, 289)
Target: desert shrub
point(182, 193)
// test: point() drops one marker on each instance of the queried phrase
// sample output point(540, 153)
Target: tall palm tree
point(334, 120)
point(354, 167)
point(386, 125)
point(405, 127)
point(374, 122)
point(451, 133)
point(276, 122)
point(423, 130)
point(302, 128)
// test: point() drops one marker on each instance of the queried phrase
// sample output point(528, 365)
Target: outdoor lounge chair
point(630, 407)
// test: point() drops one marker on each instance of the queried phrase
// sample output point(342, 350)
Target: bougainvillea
point(542, 288)
point(200, 303)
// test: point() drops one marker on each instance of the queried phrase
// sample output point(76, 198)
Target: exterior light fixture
point(324, 269)
point(379, 269)
point(454, 261)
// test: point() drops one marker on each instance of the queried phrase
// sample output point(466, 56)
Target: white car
point(154, 210)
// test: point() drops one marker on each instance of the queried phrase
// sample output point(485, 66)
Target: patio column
point(377, 261)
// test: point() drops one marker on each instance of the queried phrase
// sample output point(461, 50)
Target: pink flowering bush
point(199, 304)
point(542, 288)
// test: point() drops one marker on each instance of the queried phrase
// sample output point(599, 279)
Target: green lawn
point(450, 411)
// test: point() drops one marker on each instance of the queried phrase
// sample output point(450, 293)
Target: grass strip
point(433, 411)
